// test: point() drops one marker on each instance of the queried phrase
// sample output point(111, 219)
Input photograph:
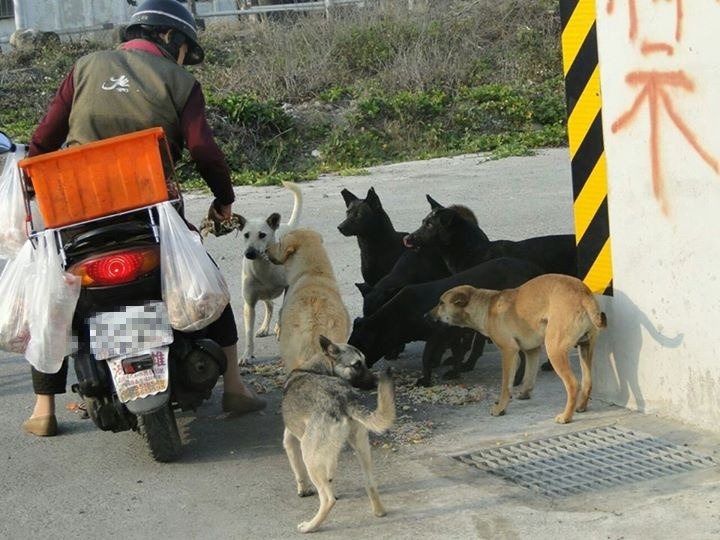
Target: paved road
point(234, 480)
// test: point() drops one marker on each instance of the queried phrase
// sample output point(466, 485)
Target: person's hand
point(226, 211)
point(221, 212)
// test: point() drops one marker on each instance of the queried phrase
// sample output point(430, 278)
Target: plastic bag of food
point(52, 305)
point(13, 232)
point(16, 281)
point(192, 286)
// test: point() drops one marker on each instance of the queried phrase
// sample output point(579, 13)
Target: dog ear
point(372, 199)
point(348, 197)
point(241, 222)
point(364, 288)
point(446, 217)
point(460, 299)
point(328, 347)
point(433, 203)
point(273, 221)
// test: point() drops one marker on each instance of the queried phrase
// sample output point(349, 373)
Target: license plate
point(129, 330)
point(141, 375)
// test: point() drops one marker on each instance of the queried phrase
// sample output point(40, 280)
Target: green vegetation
point(292, 98)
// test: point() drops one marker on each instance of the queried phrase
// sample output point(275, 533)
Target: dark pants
point(223, 332)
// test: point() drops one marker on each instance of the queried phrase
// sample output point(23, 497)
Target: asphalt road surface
point(234, 481)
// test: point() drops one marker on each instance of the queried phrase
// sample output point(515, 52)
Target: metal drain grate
point(586, 461)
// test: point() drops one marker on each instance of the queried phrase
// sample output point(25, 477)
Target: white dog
point(262, 280)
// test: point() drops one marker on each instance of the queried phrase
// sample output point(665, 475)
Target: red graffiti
point(655, 86)
point(654, 89)
point(650, 48)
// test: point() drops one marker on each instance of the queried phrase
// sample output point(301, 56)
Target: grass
point(289, 99)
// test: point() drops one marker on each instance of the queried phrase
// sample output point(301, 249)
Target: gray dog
point(322, 412)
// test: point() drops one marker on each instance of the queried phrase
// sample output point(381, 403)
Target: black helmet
point(170, 14)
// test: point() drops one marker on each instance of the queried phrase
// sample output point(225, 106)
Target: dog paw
point(246, 360)
point(305, 527)
point(581, 409)
point(562, 419)
point(497, 410)
point(305, 492)
point(263, 333)
point(422, 381)
point(380, 513)
point(524, 395)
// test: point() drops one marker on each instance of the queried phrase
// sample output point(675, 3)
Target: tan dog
point(312, 306)
point(555, 309)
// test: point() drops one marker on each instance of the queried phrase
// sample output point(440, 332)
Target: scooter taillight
point(117, 267)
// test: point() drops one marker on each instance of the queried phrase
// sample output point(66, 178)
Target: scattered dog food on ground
point(264, 377)
point(439, 394)
point(410, 428)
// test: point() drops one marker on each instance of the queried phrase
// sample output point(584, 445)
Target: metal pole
point(328, 7)
point(21, 17)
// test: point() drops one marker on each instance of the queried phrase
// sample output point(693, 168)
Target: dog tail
point(379, 420)
point(297, 203)
point(598, 318)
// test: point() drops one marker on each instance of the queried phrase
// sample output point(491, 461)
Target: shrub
point(380, 83)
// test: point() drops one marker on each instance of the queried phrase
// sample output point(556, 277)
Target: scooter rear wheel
point(159, 429)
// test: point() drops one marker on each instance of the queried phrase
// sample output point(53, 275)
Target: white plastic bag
point(13, 233)
point(192, 286)
point(15, 282)
point(52, 306)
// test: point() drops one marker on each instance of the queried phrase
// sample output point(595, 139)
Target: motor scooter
point(133, 369)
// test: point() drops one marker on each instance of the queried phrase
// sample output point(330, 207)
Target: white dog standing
point(262, 280)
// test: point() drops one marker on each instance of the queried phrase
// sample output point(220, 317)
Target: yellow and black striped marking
point(589, 171)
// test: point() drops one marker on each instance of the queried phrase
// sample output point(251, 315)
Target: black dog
point(414, 266)
point(387, 265)
point(402, 319)
point(420, 266)
point(463, 245)
point(380, 244)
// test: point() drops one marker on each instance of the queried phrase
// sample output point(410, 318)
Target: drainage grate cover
point(586, 461)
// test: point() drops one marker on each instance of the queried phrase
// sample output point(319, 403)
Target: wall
point(70, 14)
point(659, 78)
point(73, 15)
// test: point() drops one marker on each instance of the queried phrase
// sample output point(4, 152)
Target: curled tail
point(379, 420)
point(297, 203)
point(597, 317)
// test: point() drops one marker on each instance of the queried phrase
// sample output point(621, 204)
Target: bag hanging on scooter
point(192, 286)
point(52, 305)
point(13, 233)
point(15, 282)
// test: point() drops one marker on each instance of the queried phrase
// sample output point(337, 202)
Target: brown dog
point(556, 309)
point(312, 306)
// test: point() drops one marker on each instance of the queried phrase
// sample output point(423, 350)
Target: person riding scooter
point(142, 84)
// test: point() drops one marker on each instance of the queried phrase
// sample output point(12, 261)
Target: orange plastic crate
point(99, 178)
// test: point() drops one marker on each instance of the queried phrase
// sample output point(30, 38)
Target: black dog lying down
point(462, 244)
point(402, 319)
